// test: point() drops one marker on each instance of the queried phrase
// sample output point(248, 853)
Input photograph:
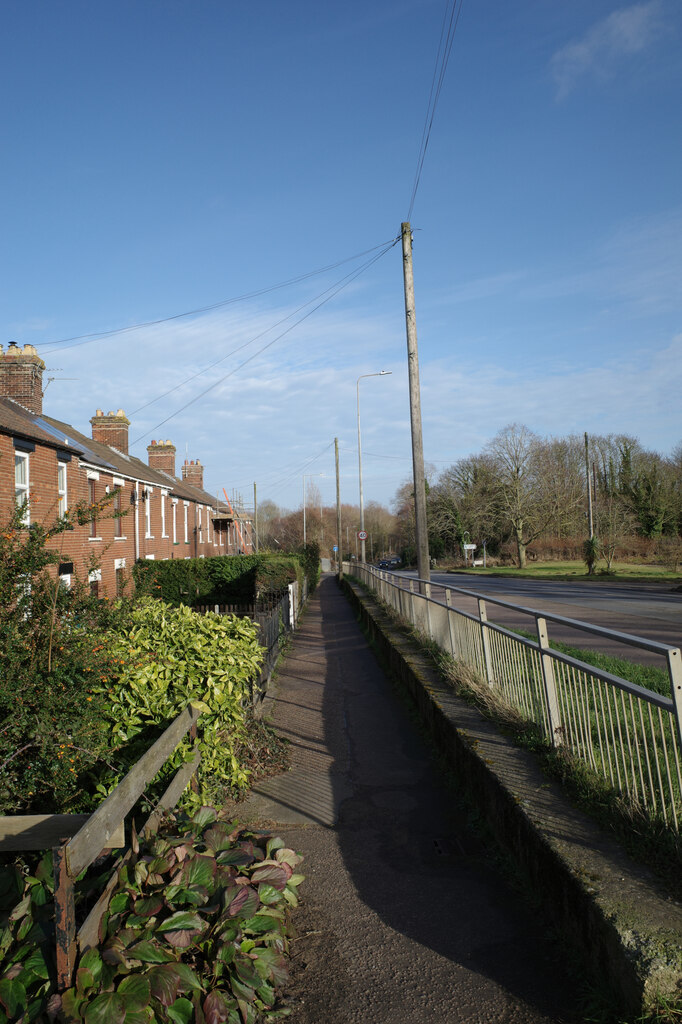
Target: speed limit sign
point(362, 535)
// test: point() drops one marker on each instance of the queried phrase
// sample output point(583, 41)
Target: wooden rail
point(99, 832)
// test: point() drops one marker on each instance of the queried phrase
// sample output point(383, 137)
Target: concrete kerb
point(615, 912)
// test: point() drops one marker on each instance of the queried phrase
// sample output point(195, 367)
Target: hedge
point(224, 579)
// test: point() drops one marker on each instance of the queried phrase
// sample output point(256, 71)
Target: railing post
point(412, 602)
point(448, 604)
point(555, 726)
point(64, 918)
point(675, 673)
point(427, 595)
point(483, 617)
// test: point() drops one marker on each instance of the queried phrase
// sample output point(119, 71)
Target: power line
point(96, 335)
point(451, 17)
point(333, 291)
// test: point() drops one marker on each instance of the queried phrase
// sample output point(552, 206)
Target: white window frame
point(175, 520)
point(21, 488)
point(148, 514)
point(186, 504)
point(164, 495)
point(200, 509)
point(62, 492)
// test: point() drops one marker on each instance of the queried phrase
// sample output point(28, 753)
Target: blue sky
point(161, 157)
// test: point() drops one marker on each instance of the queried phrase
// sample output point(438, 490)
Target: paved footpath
point(404, 918)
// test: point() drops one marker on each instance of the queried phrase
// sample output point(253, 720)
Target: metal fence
point(629, 735)
point(276, 616)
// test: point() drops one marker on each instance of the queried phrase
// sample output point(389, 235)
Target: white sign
point(469, 547)
point(362, 535)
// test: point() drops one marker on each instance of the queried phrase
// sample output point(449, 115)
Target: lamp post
point(381, 373)
point(307, 476)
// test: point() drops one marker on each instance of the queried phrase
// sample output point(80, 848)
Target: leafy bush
point(310, 560)
point(167, 657)
point(196, 930)
point(234, 579)
point(51, 657)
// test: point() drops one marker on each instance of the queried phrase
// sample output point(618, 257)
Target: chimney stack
point(21, 376)
point(111, 429)
point(193, 473)
point(161, 455)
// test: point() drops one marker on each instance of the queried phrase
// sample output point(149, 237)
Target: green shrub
point(196, 930)
point(310, 560)
point(51, 658)
point(234, 579)
point(166, 658)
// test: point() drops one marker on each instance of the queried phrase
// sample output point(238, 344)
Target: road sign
point(362, 535)
point(335, 548)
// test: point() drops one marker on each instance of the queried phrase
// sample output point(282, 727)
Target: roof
point(19, 422)
point(46, 430)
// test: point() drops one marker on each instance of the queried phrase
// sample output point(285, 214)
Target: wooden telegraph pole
point(338, 510)
point(588, 477)
point(421, 538)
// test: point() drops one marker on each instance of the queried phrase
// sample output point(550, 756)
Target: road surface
point(650, 610)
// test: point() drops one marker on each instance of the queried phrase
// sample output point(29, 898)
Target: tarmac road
point(648, 609)
point(406, 918)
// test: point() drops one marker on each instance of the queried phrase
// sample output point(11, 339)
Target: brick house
point(48, 465)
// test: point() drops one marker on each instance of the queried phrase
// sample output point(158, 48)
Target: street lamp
point(382, 373)
point(308, 476)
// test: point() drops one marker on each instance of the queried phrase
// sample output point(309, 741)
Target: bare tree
point(525, 500)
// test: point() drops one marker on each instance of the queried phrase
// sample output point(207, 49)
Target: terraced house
point(46, 466)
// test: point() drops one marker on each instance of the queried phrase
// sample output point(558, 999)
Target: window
point(186, 504)
point(201, 538)
point(94, 579)
point(148, 512)
point(21, 485)
point(163, 514)
point(175, 520)
point(62, 504)
point(92, 497)
point(118, 521)
point(119, 572)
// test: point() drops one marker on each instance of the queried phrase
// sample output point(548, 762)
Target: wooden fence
point(77, 839)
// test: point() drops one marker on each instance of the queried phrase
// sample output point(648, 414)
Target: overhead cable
point(328, 294)
point(96, 335)
point(447, 35)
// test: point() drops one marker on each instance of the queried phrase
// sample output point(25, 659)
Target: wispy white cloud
point(624, 33)
point(636, 394)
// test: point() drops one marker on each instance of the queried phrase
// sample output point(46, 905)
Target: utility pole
point(422, 541)
point(338, 510)
point(588, 475)
point(255, 513)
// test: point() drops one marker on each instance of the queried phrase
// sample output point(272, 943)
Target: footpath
point(405, 917)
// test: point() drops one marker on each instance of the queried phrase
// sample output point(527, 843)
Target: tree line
point(523, 493)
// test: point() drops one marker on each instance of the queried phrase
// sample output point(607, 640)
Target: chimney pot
point(111, 429)
point(193, 473)
point(21, 376)
point(162, 456)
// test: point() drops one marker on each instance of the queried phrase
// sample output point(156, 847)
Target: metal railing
point(629, 735)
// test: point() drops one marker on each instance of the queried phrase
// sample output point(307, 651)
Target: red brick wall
point(105, 548)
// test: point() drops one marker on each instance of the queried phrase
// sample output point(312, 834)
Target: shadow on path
point(405, 918)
